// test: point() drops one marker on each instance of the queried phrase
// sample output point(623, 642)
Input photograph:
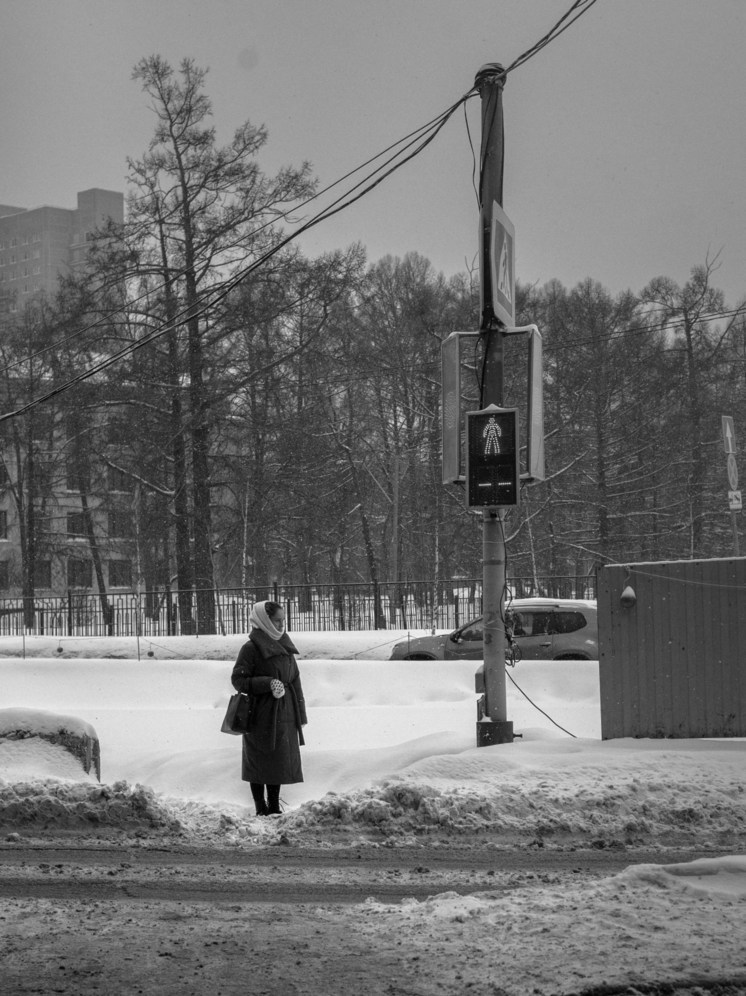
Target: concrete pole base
point(495, 732)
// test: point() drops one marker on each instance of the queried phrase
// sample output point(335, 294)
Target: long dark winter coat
point(271, 748)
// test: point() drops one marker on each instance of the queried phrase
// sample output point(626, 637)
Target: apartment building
point(37, 245)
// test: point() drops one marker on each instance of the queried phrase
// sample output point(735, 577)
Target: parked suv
point(543, 629)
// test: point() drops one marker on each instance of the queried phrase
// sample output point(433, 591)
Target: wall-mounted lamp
point(628, 598)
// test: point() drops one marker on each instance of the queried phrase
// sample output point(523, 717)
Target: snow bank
point(369, 644)
point(541, 790)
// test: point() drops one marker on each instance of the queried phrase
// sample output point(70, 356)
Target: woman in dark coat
point(267, 672)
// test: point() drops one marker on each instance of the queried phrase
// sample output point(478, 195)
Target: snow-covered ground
point(390, 745)
point(391, 760)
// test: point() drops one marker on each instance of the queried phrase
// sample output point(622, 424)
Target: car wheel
point(420, 657)
point(570, 657)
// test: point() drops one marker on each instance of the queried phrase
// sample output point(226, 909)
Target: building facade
point(39, 245)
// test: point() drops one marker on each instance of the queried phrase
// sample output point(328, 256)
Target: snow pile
point(621, 793)
point(45, 803)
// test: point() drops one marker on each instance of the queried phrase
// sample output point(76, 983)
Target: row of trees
point(282, 421)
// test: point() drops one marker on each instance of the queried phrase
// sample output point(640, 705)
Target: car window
point(568, 622)
point(531, 622)
point(472, 632)
point(514, 621)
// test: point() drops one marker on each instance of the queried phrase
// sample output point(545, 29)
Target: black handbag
point(237, 714)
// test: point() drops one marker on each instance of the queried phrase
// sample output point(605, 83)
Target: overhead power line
point(406, 149)
point(577, 10)
point(284, 216)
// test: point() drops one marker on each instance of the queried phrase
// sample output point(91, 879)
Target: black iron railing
point(441, 604)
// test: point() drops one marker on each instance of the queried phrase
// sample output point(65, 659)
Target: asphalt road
point(277, 920)
point(282, 874)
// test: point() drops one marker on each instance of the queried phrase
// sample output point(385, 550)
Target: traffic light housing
point(457, 356)
point(492, 458)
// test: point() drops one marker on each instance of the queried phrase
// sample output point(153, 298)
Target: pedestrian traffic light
point(492, 457)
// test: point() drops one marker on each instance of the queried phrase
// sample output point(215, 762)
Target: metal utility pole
point(493, 726)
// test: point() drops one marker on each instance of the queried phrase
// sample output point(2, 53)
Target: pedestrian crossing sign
point(502, 266)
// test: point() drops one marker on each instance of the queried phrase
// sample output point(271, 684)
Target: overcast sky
point(625, 138)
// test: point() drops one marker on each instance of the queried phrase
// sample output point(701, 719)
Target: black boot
point(273, 800)
point(257, 791)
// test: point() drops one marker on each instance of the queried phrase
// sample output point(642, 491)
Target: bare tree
point(696, 343)
point(212, 210)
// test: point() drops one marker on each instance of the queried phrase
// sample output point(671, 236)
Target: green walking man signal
point(492, 458)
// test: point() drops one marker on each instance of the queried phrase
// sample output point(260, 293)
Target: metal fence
point(376, 605)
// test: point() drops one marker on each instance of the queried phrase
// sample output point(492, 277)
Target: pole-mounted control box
point(492, 458)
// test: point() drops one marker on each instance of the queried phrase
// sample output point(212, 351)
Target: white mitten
point(278, 689)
